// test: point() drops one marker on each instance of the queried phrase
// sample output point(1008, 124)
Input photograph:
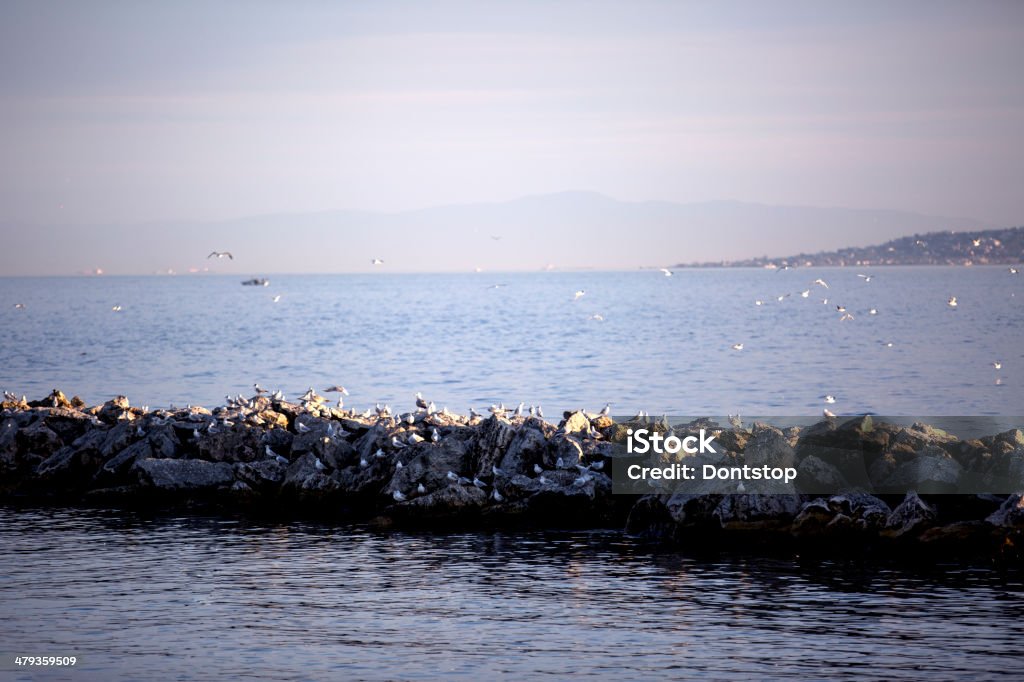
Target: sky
point(123, 113)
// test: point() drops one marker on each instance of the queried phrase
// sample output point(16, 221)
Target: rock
point(495, 437)
point(567, 449)
point(576, 422)
point(527, 448)
point(1010, 515)
point(113, 410)
point(816, 475)
point(757, 512)
point(768, 445)
point(261, 474)
point(38, 441)
point(910, 518)
point(449, 502)
point(183, 474)
point(933, 470)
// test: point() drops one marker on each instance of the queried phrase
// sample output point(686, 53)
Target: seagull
point(318, 464)
point(415, 438)
point(668, 273)
point(395, 443)
point(259, 389)
point(997, 364)
point(451, 476)
point(976, 242)
point(873, 311)
point(19, 306)
point(397, 496)
point(421, 489)
point(866, 278)
point(821, 282)
point(497, 496)
point(782, 297)
point(845, 317)
point(952, 302)
point(363, 463)
point(479, 484)
point(805, 293)
point(830, 399)
point(597, 318)
point(399, 465)
point(495, 471)
point(758, 302)
point(560, 463)
point(1014, 271)
point(841, 308)
point(277, 298)
point(537, 469)
point(377, 261)
point(336, 389)
point(420, 402)
point(220, 255)
point(116, 309)
point(741, 488)
point(828, 414)
point(606, 411)
point(579, 294)
point(301, 428)
point(737, 346)
point(435, 435)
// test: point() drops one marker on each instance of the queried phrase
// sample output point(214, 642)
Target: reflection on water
point(214, 597)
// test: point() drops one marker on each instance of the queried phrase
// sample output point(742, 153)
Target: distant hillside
point(981, 247)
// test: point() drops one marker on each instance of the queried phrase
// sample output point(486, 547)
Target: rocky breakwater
point(862, 486)
point(265, 453)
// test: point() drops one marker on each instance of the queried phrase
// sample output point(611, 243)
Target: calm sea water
point(184, 598)
point(664, 343)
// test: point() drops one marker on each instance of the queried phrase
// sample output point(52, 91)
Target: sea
point(171, 595)
point(639, 340)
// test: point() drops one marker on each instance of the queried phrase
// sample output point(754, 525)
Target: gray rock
point(816, 475)
point(911, 517)
point(770, 446)
point(527, 448)
point(1011, 514)
point(183, 474)
point(932, 471)
point(757, 512)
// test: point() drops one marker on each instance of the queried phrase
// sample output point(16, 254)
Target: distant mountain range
point(981, 247)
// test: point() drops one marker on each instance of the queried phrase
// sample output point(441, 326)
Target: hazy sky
point(115, 112)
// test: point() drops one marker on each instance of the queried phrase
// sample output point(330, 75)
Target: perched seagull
point(737, 346)
point(821, 282)
point(397, 496)
point(415, 438)
point(479, 484)
point(259, 389)
point(221, 254)
point(805, 293)
point(866, 278)
point(606, 411)
point(668, 273)
point(579, 294)
point(318, 464)
point(830, 399)
point(537, 469)
point(336, 389)
point(420, 401)
point(997, 364)
point(397, 444)
point(828, 414)
point(495, 471)
point(421, 489)
point(301, 428)
point(976, 242)
point(451, 476)
point(399, 465)
point(497, 496)
point(377, 261)
point(363, 463)
point(435, 435)
point(952, 302)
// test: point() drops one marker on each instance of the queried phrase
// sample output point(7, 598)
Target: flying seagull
point(336, 389)
point(668, 273)
point(821, 282)
point(866, 278)
point(221, 254)
point(737, 346)
point(377, 261)
point(579, 294)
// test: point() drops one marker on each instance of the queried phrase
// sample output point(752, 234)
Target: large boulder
point(911, 518)
point(183, 474)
